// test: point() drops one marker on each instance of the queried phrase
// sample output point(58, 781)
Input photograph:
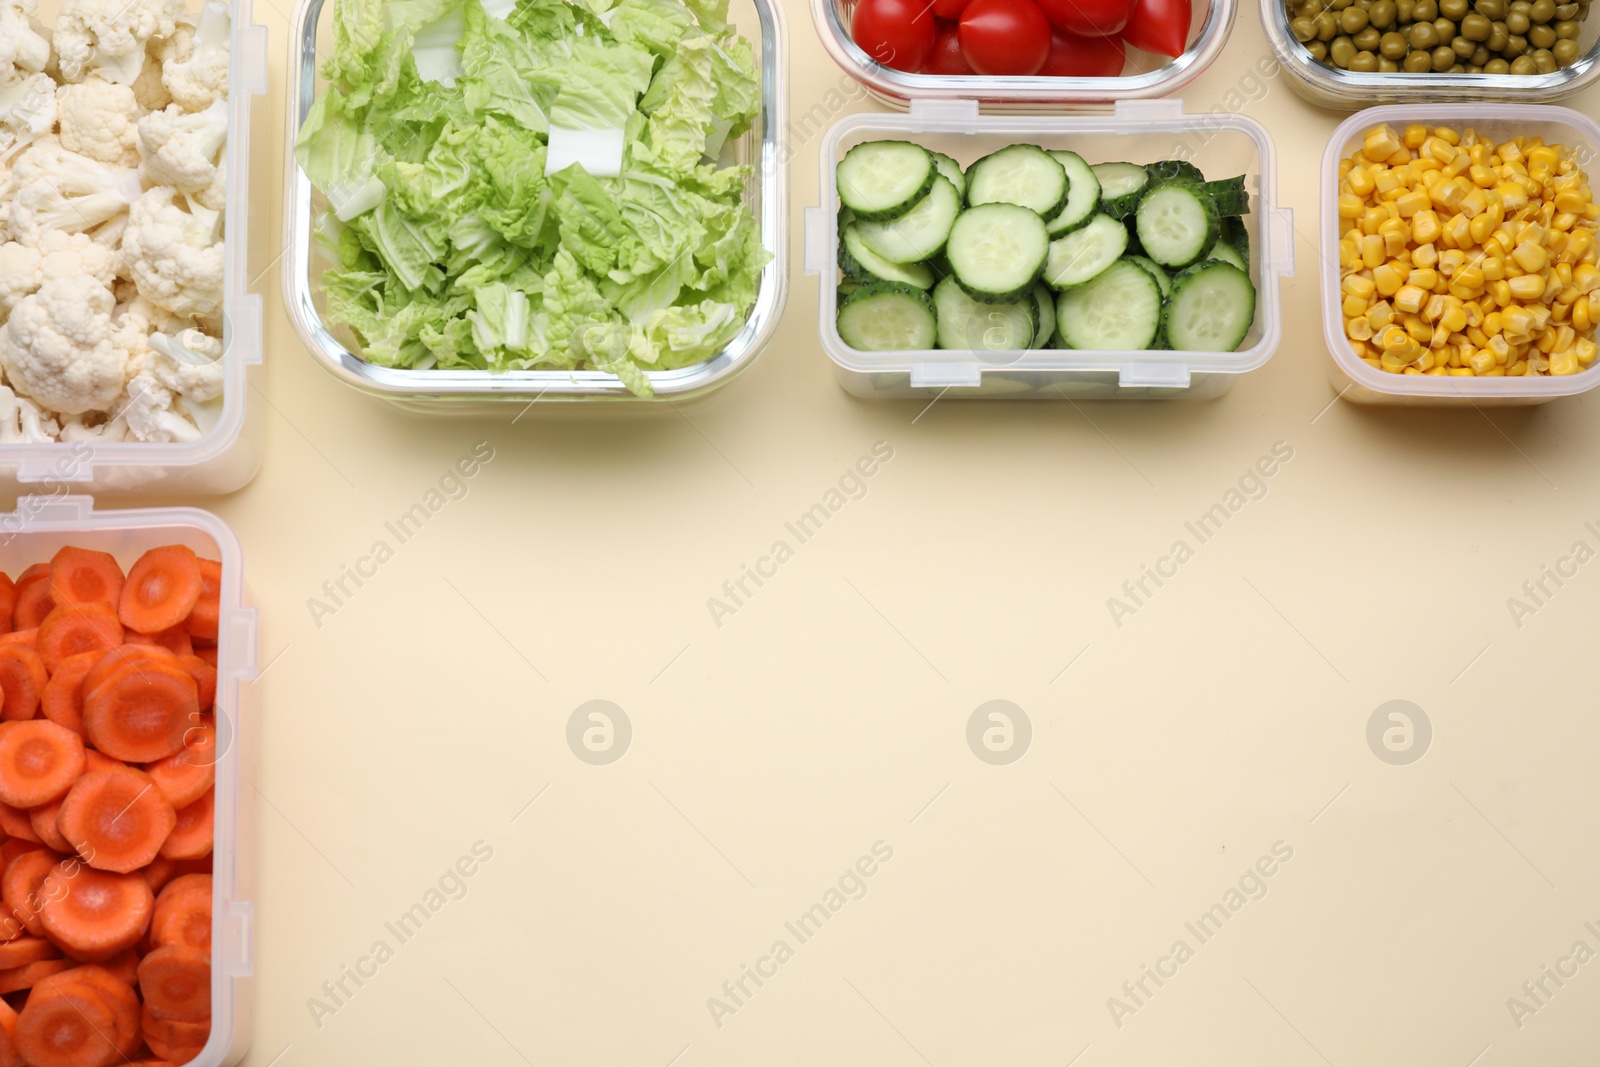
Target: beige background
point(829, 713)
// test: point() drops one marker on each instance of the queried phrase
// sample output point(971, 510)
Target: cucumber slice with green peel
point(1163, 279)
point(951, 170)
point(996, 251)
point(1083, 195)
point(1167, 169)
point(887, 317)
point(1120, 187)
point(1223, 252)
point(1177, 223)
point(969, 325)
point(881, 179)
point(1021, 174)
point(1237, 235)
point(1085, 252)
point(1210, 308)
point(1119, 311)
point(1230, 195)
point(860, 262)
point(1045, 303)
point(920, 233)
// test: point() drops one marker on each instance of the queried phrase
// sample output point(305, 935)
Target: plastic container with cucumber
point(1030, 248)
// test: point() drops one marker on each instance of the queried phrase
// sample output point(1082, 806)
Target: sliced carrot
point(83, 576)
point(157, 873)
point(183, 913)
point(74, 628)
point(97, 761)
point(8, 1017)
point(175, 981)
point(14, 847)
point(175, 640)
point(185, 777)
point(21, 637)
point(28, 974)
point(124, 967)
point(117, 819)
point(205, 679)
point(92, 914)
point(39, 761)
point(175, 1042)
point(194, 832)
point(22, 884)
point(97, 982)
point(142, 713)
point(25, 950)
point(206, 616)
point(9, 1056)
point(44, 820)
point(33, 598)
point(8, 602)
point(208, 654)
point(76, 1026)
point(32, 572)
point(121, 659)
point(18, 825)
point(162, 589)
point(22, 681)
point(62, 699)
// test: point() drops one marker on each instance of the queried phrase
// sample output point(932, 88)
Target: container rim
point(1360, 373)
point(1275, 247)
point(531, 386)
point(897, 87)
point(1349, 90)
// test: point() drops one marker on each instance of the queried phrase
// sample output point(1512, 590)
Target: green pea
point(1543, 11)
point(1393, 46)
point(1542, 36)
point(1364, 63)
point(1517, 23)
point(1480, 56)
point(1423, 36)
point(1498, 37)
point(1418, 61)
point(1475, 27)
point(1444, 28)
point(1327, 27)
point(1566, 11)
point(1497, 66)
point(1381, 14)
point(1523, 65)
point(1463, 47)
point(1444, 57)
point(1491, 9)
point(1318, 50)
point(1387, 66)
point(1368, 40)
point(1545, 60)
point(1568, 30)
point(1565, 51)
point(1341, 51)
point(1353, 20)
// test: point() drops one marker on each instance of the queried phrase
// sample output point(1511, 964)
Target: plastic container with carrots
point(125, 928)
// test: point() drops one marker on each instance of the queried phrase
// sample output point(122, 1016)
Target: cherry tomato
point(1072, 56)
point(950, 9)
point(1004, 37)
point(947, 57)
point(896, 33)
point(1159, 26)
point(1089, 18)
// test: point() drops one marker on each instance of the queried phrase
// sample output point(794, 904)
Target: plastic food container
point(227, 457)
point(1345, 90)
point(1357, 381)
point(1221, 145)
point(1146, 75)
point(464, 392)
point(32, 534)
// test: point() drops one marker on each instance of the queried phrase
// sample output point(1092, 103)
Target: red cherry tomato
point(950, 9)
point(947, 57)
point(1159, 26)
point(1072, 56)
point(1004, 37)
point(1089, 18)
point(896, 33)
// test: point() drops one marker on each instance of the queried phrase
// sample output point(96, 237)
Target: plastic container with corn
point(1467, 257)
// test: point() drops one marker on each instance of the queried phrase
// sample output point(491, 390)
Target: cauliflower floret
point(21, 272)
point(99, 119)
point(61, 190)
point(27, 111)
point(111, 35)
point(180, 148)
point(23, 268)
point(57, 347)
point(147, 410)
point(175, 256)
point(147, 87)
point(189, 363)
point(22, 421)
point(215, 194)
point(24, 44)
point(194, 63)
point(75, 429)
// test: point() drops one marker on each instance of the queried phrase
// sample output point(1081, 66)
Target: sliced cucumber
point(996, 251)
point(882, 179)
point(860, 262)
point(1120, 187)
point(1237, 235)
point(1021, 174)
point(1229, 195)
point(1177, 223)
point(1210, 308)
point(1168, 169)
point(1045, 303)
point(1223, 252)
point(969, 325)
point(920, 233)
point(952, 170)
point(1085, 252)
point(1119, 311)
point(887, 317)
point(1083, 194)
point(1163, 279)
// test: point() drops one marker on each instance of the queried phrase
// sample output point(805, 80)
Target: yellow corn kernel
point(1439, 149)
point(1527, 287)
point(1585, 350)
point(1409, 299)
point(1586, 277)
point(1360, 181)
point(1372, 252)
point(1349, 253)
point(1564, 272)
point(1480, 228)
point(1457, 231)
point(1493, 267)
point(1563, 221)
point(1353, 305)
point(1578, 242)
point(1385, 182)
point(1564, 338)
point(1516, 370)
point(1482, 361)
point(1530, 257)
point(1460, 372)
point(1394, 243)
point(1468, 277)
point(1499, 348)
point(1387, 279)
point(1541, 316)
point(1372, 219)
point(1415, 136)
point(1491, 323)
point(1448, 194)
point(1454, 318)
point(1420, 332)
point(1501, 291)
point(1433, 311)
point(1564, 363)
point(1357, 285)
point(1543, 156)
point(1451, 260)
point(1423, 277)
point(1512, 195)
point(1358, 329)
point(1482, 176)
point(1474, 319)
point(1517, 321)
point(1457, 167)
point(1532, 233)
point(1413, 203)
point(1380, 315)
point(1582, 315)
point(1425, 255)
point(1546, 344)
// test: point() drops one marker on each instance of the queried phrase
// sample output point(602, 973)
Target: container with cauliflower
point(126, 334)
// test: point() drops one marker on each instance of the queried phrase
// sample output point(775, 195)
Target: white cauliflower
point(23, 268)
point(27, 111)
point(22, 421)
point(147, 87)
point(57, 347)
point(148, 411)
point(61, 190)
point(21, 273)
point(180, 148)
point(175, 256)
point(194, 63)
point(99, 119)
point(189, 363)
point(24, 44)
point(110, 35)
point(76, 429)
point(215, 194)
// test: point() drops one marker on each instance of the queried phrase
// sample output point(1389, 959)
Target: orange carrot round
point(99, 761)
point(33, 598)
point(141, 713)
point(43, 819)
point(117, 819)
point(22, 681)
point(94, 914)
point(175, 640)
point(62, 700)
point(14, 847)
point(75, 628)
point(20, 887)
point(183, 913)
point(98, 982)
point(205, 680)
point(175, 981)
point(183, 778)
point(124, 966)
point(163, 587)
point(207, 613)
point(8, 602)
point(83, 576)
point(175, 1042)
point(26, 976)
point(21, 637)
point(25, 950)
point(75, 1027)
point(39, 761)
point(17, 824)
point(194, 831)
